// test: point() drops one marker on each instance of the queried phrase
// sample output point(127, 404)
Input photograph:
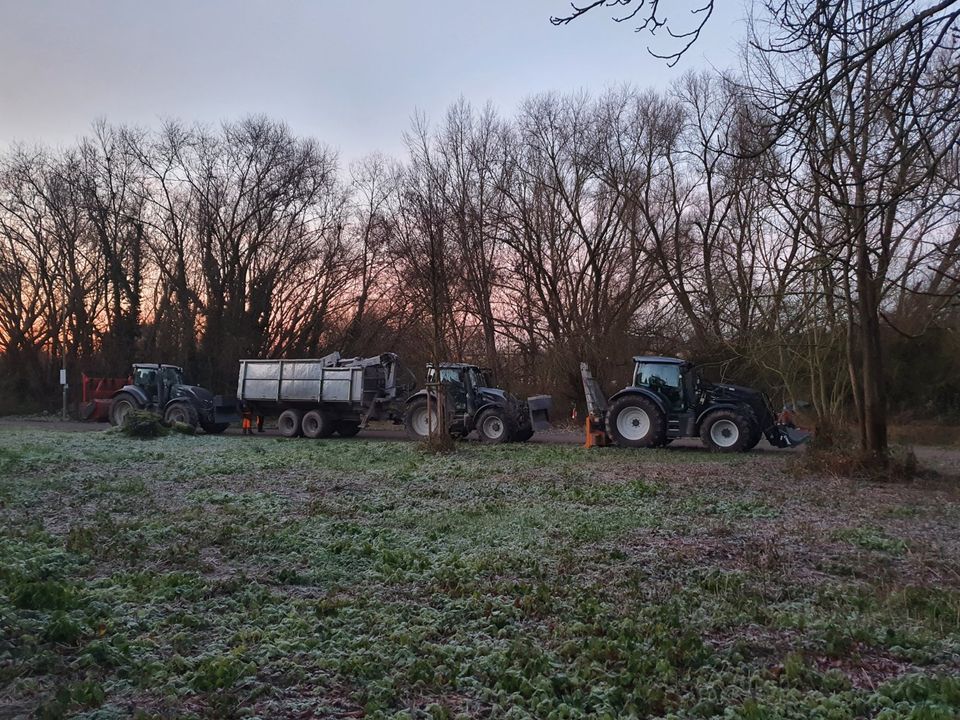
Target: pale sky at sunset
point(350, 73)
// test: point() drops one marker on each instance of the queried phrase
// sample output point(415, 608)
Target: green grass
point(238, 577)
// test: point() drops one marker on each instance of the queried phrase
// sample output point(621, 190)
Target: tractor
point(473, 402)
point(668, 399)
point(161, 389)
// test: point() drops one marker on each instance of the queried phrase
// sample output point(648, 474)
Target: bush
point(144, 425)
point(183, 428)
point(835, 451)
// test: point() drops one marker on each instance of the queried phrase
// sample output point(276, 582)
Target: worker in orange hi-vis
point(246, 424)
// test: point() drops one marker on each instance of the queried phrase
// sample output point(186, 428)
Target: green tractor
point(668, 399)
point(161, 389)
point(474, 402)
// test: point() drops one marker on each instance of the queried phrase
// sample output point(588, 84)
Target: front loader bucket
point(540, 406)
point(795, 436)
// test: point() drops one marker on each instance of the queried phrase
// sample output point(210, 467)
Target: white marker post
point(63, 384)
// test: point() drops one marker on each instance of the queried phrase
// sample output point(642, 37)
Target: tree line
point(793, 225)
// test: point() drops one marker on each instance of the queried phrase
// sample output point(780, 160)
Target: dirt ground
point(943, 460)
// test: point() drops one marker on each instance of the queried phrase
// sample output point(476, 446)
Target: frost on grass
point(206, 577)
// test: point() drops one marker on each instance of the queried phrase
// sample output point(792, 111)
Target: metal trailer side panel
point(301, 380)
point(338, 385)
point(310, 381)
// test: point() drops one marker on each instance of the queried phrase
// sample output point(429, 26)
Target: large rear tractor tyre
point(347, 428)
point(727, 431)
point(317, 424)
point(416, 422)
point(121, 406)
point(494, 427)
point(636, 421)
point(181, 412)
point(289, 423)
point(215, 428)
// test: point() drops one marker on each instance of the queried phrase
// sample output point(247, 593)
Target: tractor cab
point(157, 381)
point(467, 385)
point(673, 379)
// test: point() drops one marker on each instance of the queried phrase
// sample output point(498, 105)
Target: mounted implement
point(473, 402)
point(669, 400)
point(161, 389)
point(320, 397)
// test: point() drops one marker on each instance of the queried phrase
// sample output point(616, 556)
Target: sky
point(351, 73)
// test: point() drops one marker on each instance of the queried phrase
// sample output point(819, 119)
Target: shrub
point(835, 451)
point(183, 428)
point(144, 425)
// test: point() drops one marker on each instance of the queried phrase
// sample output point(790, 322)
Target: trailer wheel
point(347, 428)
point(317, 424)
point(415, 420)
point(494, 427)
point(635, 421)
point(181, 412)
point(122, 405)
point(727, 431)
point(289, 423)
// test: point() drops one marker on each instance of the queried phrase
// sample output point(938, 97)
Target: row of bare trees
point(793, 229)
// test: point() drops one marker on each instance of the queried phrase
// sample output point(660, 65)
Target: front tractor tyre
point(636, 421)
point(121, 406)
point(727, 431)
point(417, 422)
point(181, 412)
point(493, 427)
point(289, 423)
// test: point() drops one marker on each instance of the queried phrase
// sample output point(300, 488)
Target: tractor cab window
point(447, 375)
point(664, 378)
point(453, 378)
point(478, 378)
point(171, 376)
point(146, 378)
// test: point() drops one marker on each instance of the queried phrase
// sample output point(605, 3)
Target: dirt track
point(945, 460)
point(557, 436)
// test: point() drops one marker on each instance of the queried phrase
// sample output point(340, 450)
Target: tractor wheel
point(416, 422)
point(122, 405)
point(317, 424)
point(636, 421)
point(727, 431)
point(214, 428)
point(523, 433)
point(289, 423)
point(494, 427)
point(347, 428)
point(181, 412)
point(755, 435)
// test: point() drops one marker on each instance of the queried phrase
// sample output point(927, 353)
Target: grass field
point(225, 576)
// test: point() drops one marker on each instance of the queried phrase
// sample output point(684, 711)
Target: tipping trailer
point(319, 397)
